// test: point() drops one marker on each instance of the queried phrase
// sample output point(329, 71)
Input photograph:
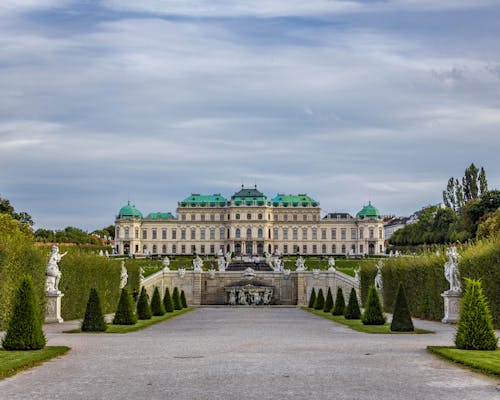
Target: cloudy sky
point(151, 100)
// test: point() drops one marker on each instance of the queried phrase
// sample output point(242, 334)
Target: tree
point(320, 300)
point(352, 311)
point(483, 182)
point(183, 299)
point(470, 183)
point(143, 308)
point(7, 208)
point(490, 226)
point(339, 307)
point(328, 302)
point(401, 319)
point(157, 307)
point(24, 331)
point(125, 311)
point(373, 315)
point(176, 299)
point(475, 327)
point(167, 301)
point(94, 318)
point(478, 210)
point(312, 299)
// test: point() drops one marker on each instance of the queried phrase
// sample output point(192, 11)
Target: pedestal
point(53, 308)
point(451, 307)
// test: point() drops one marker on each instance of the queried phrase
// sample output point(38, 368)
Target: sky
point(107, 101)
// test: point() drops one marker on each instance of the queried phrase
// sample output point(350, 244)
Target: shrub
point(339, 307)
point(167, 301)
point(125, 311)
point(24, 331)
point(328, 302)
point(183, 300)
point(320, 300)
point(143, 308)
point(352, 310)
point(176, 299)
point(312, 299)
point(157, 307)
point(401, 319)
point(475, 328)
point(94, 319)
point(373, 314)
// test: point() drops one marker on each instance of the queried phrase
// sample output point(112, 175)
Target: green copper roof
point(368, 211)
point(249, 197)
point(160, 215)
point(291, 200)
point(129, 211)
point(204, 200)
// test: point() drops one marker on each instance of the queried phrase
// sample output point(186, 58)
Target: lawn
point(357, 325)
point(485, 361)
point(12, 362)
point(141, 324)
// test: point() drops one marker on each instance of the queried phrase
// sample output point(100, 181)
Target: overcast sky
point(150, 100)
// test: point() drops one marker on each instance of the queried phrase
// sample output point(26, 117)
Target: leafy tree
point(143, 308)
point(183, 299)
point(490, 226)
point(7, 208)
point(352, 310)
point(24, 331)
point(470, 183)
point(157, 307)
point(125, 311)
point(94, 318)
point(483, 182)
point(167, 301)
point(373, 315)
point(176, 299)
point(339, 307)
point(44, 235)
point(401, 319)
point(320, 300)
point(475, 327)
point(328, 302)
point(312, 299)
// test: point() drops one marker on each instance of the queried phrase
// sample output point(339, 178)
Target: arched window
point(164, 249)
point(238, 233)
point(249, 216)
point(117, 232)
point(259, 233)
point(259, 216)
point(249, 233)
point(343, 249)
point(126, 233)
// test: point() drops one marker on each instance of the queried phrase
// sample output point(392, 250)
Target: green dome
point(368, 211)
point(129, 211)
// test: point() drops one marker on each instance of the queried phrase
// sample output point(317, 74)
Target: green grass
point(484, 361)
point(357, 325)
point(12, 362)
point(141, 324)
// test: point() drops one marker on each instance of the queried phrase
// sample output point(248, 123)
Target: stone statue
point(300, 264)
point(242, 298)
point(357, 276)
point(266, 298)
point(451, 272)
point(255, 298)
point(228, 258)
point(331, 264)
point(52, 273)
point(232, 297)
point(101, 254)
point(106, 253)
point(181, 272)
point(123, 276)
point(269, 260)
point(197, 264)
point(166, 263)
point(141, 274)
point(391, 254)
point(378, 277)
point(220, 253)
point(221, 264)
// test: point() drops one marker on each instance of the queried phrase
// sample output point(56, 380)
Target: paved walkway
point(248, 353)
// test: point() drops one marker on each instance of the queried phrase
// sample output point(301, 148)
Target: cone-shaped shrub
point(176, 299)
point(312, 299)
point(401, 319)
point(320, 300)
point(328, 302)
point(157, 307)
point(352, 310)
point(24, 331)
point(339, 307)
point(475, 327)
point(94, 318)
point(143, 308)
point(373, 315)
point(167, 301)
point(125, 311)
point(184, 303)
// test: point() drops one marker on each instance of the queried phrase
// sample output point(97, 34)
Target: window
point(353, 248)
point(249, 216)
point(154, 249)
point(183, 249)
point(315, 249)
point(304, 217)
point(183, 217)
point(144, 234)
point(285, 249)
point(154, 234)
point(126, 232)
point(334, 249)
point(285, 217)
point(202, 249)
point(237, 216)
point(164, 249)
point(323, 248)
point(203, 217)
point(343, 249)
point(380, 249)
point(275, 217)
point(212, 234)
point(314, 217)
point(334, 234)
point(238, 233)
point(183, 234)
point(323, 234)
point(380, 233)
point(295, 234)
point(343, 234)
point(137, 233)
point(212, 249)
point(202, 234)
point(275, 248)
point(296, 248)
point(361, 249)
point(164, 234)
point(212, 217)
point(193, 249)
point(259, 233)
point(249, 233)
point(275, 233)
point(304, 234)
point(304, 249)
point(221, 217)
point(174, 249)
point(361, 232)
point(117, 232)
point(174, 234)
point(314, 234)
point(353, 233)
point(193, 217)
point(145, 249)
point(295, 217)
point(285, 234)
point(193, 234)
point(372, 233)
point(259, 216)
point(221, 233)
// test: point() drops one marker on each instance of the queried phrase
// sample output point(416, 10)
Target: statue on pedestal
point(52, 272)
point(451, 272)
point(378, 277)
point(232, 297)
point(300, 264)
point(166, 263)
point(331, 264)
point(221, 264)
point(123, 276)
point(197, 264)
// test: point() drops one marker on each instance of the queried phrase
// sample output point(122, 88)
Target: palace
point(249, 224)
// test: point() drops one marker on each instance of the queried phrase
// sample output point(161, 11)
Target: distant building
point(393, 225)
point(249, 224)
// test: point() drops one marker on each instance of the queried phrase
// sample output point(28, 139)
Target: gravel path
point(248, 353)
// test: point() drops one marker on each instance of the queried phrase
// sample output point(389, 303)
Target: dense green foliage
point(328, 302)
point(143, 308)
point(352, 310)
point(490, 227)
point(475, 327)
point(183, 299)
point(320, 300)
point(373, 314)
point(167, 301)
point(124, 314)
point(176, 299)
point(339, 307)
point(312, 298)
point(69, 234)
point(7, 209)
point(401, 319)
point(157, 307)
point(94, 318)
point(24, 330)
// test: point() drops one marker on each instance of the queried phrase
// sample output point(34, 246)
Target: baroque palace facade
point(249, 224)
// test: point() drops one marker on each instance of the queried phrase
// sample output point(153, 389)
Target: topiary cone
point(125, 311)
point(401, 319)
point(352, 310)
point(24, 330)
point(339, 307)
point(94, 318)
point(183, 300)
point(312, 299)
point(373, 315)
point(167, 301)
point(328, 302)
point(176, 299)
point(157, 307)
point(143, 308)
point(320, 300)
